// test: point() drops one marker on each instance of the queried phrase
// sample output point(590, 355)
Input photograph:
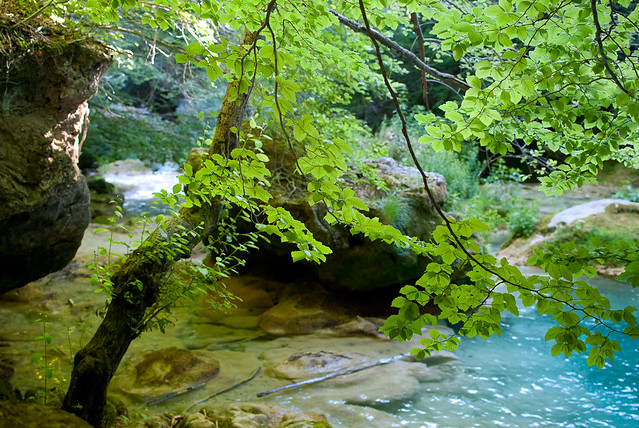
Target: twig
point(335, 374)
point(153, 39)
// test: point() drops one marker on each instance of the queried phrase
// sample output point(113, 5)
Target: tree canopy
point(545, 79)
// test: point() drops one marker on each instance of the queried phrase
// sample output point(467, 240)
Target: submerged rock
point(44, 199)
point(305, 365)
point(171, 371)
point(32, 415)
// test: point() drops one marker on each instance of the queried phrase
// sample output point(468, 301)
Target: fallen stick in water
point(335, 374)
point(225, 390)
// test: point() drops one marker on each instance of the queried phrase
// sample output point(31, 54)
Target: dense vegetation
point(552, 82)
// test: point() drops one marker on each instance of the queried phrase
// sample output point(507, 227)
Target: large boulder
point(357, 263)
point(396, 195)
point(44, 201)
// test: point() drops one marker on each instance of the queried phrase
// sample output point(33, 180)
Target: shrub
point(521, 221)
point(628, 194)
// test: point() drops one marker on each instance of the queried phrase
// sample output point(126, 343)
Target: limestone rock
point(102, 194)
point(253, 415)
point(357, 263)
point(302, 313)
point(168, 370)
point(44, 200)
point(305, 365)
point(581, 211)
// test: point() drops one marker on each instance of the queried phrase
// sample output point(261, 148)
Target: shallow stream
point(509, 381)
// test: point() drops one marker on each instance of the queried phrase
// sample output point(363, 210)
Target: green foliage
point(148, 137)
point(393, 210)
point(499, 206)
point(45, 372)
point(186, 279)
point(539, 76)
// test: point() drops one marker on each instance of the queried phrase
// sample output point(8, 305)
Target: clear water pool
point(514, 381)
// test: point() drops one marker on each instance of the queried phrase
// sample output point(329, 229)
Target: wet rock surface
point(171, 370)
point(31, 415)
point(244, 415)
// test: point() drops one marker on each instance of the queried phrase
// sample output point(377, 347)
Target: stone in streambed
point(32, 415)
point(305, 365)
point(254, 415)
point(303, 313)
point(168, 370)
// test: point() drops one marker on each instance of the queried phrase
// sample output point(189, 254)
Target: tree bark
point(96, 363)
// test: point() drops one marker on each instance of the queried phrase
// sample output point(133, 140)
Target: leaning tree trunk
point(96, 363)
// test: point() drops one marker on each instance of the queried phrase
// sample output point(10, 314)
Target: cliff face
point(46, 78)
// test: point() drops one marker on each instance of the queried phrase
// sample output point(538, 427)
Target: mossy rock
point(32, 415)
point(174, 366)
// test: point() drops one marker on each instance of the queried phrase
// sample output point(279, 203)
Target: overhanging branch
point(446, 78)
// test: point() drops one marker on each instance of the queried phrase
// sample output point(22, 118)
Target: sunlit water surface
point(514, 381)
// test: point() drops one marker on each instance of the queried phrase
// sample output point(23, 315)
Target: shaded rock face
point(44, 200)
point(357, 263)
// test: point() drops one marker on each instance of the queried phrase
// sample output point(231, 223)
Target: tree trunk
point(96, 363)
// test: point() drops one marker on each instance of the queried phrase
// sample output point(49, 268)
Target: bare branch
point(604, 59)
point(153, 39)
point(422, 55)
point(446, 78)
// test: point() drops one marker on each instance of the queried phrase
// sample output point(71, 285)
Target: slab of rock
point(172, 370)
point(44, 199)
point(302, 314)
point(581, 211)
point(305, 365)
